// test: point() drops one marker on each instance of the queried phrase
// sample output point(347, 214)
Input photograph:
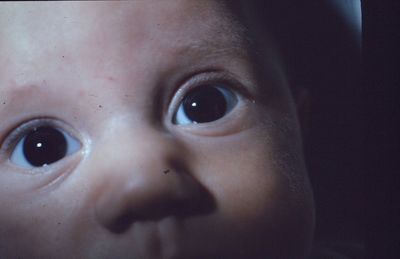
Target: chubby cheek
point(257, 211)
point(37, 215)
point(241, 182)
point(32, 227)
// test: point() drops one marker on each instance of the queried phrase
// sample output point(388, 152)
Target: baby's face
point(142, 129)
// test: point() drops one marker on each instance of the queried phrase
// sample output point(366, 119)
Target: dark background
point(381, 79)
point(353, 139)
point(322, 55)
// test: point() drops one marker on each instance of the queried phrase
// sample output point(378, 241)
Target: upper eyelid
point(17, 133)
point(215, 76)
point(203, 78)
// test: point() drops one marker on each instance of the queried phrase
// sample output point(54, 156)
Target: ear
point(302, 100)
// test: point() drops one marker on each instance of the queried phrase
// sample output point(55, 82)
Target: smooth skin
point(111, 75)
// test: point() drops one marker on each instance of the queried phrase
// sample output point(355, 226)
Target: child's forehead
point(181, 26)
point(115, 32)
point(140, 19)
point(78, 42)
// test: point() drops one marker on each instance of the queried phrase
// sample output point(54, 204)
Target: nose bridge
point(126, 148)
point(144, 176)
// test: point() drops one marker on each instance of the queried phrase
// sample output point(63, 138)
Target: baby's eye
point(205, 104)
point(43, 146)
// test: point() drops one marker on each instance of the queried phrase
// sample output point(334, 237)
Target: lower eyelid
point(17, 135)
point(242, 117)
point(44, 179)
point(230, 98)
point(210, 77)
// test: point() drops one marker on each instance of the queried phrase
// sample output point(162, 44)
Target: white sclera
point(181, 117)
point(18, 158)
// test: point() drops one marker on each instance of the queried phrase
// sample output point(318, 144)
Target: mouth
point(157, 239)
point(170, 241)
point(168, 238)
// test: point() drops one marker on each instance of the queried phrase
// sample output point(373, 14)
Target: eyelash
point(209, 77)
point(16, 134)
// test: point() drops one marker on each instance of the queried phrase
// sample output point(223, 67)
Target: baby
point(147, 129)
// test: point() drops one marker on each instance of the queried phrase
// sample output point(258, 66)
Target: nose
point(145, 178)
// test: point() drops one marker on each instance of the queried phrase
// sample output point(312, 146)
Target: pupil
point(44, 145)
point(205, 104)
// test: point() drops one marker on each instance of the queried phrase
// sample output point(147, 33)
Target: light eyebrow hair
point(209, 48)
point(233, 39)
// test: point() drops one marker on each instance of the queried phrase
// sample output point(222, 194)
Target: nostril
point(202, 205)
point(122, 224)
point(153, 196)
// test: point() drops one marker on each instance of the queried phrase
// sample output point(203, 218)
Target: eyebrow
point(234, 40)
point(214, 52)
point(208, 48)
point(23, 92)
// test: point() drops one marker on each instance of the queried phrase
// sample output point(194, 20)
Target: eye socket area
point(205, 104)
point(42, 146)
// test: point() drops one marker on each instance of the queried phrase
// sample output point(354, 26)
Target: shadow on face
point(140, 130)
